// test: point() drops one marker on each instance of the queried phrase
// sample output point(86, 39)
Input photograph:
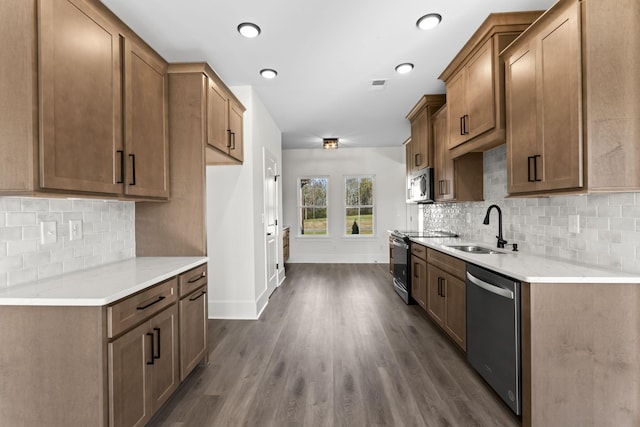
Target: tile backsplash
point(108, 234)
point(609, 224)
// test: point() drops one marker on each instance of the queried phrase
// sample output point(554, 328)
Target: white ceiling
point(326, 53)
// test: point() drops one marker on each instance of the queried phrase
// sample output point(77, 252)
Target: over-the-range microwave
point(421, 186)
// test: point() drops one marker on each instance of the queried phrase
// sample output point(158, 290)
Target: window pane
point(366, 191)
point(306, 192)
point(314, 221)
point(351, 187)
point(320, 191)
point(366, 221)
point(352, 221)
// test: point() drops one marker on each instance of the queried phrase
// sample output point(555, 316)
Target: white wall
point(387, 164)
point(235, 233)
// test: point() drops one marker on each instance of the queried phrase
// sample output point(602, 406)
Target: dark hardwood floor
point(334, 347)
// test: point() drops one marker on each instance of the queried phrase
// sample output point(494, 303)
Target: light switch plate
point(75, 229)
point(48, 232)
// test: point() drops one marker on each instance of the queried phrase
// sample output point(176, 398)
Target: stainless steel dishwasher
point(493, 332)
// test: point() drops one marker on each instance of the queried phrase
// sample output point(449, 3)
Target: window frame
point(345, 207)
point(301, 206)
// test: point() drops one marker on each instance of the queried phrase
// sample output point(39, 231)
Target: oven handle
point(489, 287)
point(402, 245)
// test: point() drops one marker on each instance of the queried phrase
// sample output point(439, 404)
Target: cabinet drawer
point(450, 264)
point(191, 280)
point(127, 313)
point(419, 251)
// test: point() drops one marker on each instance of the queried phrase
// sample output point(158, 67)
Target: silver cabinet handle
point(489, 287)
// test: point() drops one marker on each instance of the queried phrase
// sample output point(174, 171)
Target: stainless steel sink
point(474, 249)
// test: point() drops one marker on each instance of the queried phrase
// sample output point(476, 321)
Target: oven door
point(401, 268)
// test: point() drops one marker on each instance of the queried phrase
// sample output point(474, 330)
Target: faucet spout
point(501, 241)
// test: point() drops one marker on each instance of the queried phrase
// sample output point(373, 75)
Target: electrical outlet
point(574, 224)
point(48, 232)
point(75, 229)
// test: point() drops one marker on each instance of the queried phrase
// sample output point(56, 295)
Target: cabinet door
point(480, 97)
point(435, 301)
point(217, 118)
point(164, 371)
point(455, 309)
point(443, 164)
point(146, 140)
point(80, 99)
point(419, 281)
point(235, 131)
point(560, 103)
point(129, 385)
point(193, 330)
point(408, 159)
point(420, 138)
point(456, 104)
point(522, 147)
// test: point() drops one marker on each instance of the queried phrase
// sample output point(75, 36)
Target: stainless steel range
point(401, 256)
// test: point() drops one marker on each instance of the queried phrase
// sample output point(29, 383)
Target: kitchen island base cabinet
point(106, 365)
point(580, 354)
point(53, 366)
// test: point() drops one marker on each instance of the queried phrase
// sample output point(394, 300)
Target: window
point(359, 205)
point(313, 206)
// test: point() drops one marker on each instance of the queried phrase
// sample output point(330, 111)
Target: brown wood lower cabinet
point(193, 319)
point(143, 369)
point(446, 295)
point(418, 271)
point(102, 366)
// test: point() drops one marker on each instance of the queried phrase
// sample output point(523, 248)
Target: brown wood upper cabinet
point(457, 179)
point(475, 88)
point(562, 105)
point(75, 87)
point(420, 147)
point(224, 122)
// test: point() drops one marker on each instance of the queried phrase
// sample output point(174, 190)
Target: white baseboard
point(339, 259)
point(236, 310)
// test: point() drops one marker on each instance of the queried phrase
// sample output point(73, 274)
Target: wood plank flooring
point(334, 347)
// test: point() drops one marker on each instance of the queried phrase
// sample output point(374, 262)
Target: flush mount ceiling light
point(429, 21)
point(249, 30)
point(404, 68)
point(328, 143)
point(268, 73)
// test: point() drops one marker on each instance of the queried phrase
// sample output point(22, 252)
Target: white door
point(271, 220)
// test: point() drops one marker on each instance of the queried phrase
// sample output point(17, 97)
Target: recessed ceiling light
point(249, 30)
point(429, 21)
point(404, 68)
point(268, 73)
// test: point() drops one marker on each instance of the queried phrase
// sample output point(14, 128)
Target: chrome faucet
point(501, 241)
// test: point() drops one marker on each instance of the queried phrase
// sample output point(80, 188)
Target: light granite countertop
point(530, 268)
point(100, 285)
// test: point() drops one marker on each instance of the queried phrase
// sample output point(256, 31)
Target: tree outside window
point(313, 206)
point(359, 205)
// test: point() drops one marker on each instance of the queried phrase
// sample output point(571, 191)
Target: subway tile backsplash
point(609, 224)
point(108, 229)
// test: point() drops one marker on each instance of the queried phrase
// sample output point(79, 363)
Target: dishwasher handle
point(506, 293)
